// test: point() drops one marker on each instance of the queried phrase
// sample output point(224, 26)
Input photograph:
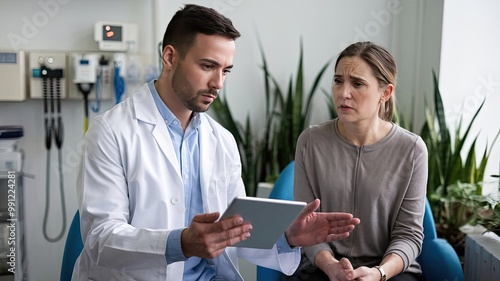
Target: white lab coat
point(131, 195)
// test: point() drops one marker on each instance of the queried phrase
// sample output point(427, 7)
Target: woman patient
point(364, 164)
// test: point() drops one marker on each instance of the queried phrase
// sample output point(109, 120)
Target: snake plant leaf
point(304, 120)
point(223, 114)
point(265, 69)
point(296, 102)
point(484, 160)
point(249, 158)
point(456, 155)
point(439, 109)
point(468, 173)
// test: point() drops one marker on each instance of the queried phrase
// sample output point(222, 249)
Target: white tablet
point(269, 218)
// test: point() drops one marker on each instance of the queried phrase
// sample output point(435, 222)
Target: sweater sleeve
point(407, 236)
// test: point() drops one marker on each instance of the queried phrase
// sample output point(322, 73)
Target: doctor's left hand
point(311, 228)
point(206, 238)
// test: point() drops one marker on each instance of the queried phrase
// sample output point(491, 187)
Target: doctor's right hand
point(207, 238)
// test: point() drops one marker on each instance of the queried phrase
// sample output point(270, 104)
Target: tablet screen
point(269, 218)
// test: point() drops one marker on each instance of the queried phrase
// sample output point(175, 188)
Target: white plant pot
point(264, 189)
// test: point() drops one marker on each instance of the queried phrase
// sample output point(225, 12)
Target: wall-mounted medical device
point(12, 73)
point(85, 68)
point(48, 82)
point(91, 67)
point(47, 69)
point(115, 36)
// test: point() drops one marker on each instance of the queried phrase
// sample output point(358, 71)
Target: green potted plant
point(490, 218)
point(489, 213)
point(454, 187)
point(287, 114)
point(460, 207)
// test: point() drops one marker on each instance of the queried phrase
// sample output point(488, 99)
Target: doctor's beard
point(187, 95)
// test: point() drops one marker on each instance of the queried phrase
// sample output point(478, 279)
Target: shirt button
point(186, 176)
point(175, 200)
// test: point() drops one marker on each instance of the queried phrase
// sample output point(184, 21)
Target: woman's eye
point(358, 84)
point(226, 71)
point(337, 81)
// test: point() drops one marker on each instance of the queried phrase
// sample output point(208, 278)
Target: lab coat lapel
point(145, 110)
point(208, 146)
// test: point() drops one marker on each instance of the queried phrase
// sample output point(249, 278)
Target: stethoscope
point(51, 86)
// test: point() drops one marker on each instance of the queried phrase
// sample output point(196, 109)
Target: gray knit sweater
point(383, 184)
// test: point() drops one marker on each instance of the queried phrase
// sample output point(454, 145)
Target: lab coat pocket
point(221, 182)
point(217, 189)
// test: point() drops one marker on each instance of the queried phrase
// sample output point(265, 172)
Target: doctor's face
point(198, 77)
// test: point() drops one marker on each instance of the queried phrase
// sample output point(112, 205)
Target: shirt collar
point(165, 112)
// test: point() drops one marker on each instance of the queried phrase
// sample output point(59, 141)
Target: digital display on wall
point(112, 33)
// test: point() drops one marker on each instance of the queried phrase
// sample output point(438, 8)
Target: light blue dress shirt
point(187, 150)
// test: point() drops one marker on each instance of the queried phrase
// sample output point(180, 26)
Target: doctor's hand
point(206, 238)
point(311, 228)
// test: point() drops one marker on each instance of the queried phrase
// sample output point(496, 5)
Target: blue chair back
point(72, 248)
point(283, 189)
point(438, 259)
point(429, 225)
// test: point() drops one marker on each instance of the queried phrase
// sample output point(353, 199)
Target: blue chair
point(72, 248)
point(438, 259)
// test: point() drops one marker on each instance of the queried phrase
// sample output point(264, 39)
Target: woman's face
point(356, 92)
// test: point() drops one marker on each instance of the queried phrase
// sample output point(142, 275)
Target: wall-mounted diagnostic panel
point(47, 70)
point(12, 76)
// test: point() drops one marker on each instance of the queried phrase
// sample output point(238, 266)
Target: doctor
point(157, 172)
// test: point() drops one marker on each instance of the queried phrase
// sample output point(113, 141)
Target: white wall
point(469, 71)
point(326, 27)
point(416, 46)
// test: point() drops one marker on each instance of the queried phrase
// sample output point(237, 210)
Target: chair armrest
point(439, 261)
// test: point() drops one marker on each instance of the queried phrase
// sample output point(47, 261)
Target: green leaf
point(459, 201)
point(469, 170)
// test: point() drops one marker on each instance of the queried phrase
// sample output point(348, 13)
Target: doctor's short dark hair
point(193, 19)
